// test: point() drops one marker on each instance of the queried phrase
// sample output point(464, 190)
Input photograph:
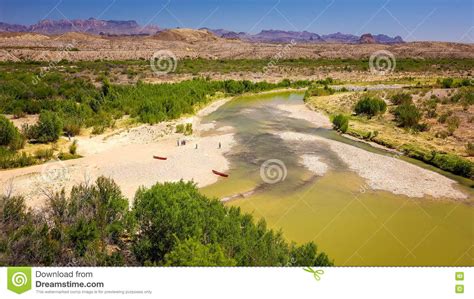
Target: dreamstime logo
point(163, 62)
point(382, 62)
point(273, 171)
point(19, 279)
point(54, 171)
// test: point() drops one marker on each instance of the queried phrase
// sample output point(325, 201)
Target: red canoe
point(160, 158)
point(220, 173)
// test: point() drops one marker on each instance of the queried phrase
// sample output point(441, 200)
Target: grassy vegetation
point(132, 68)
point(412, 127)
point(370, 106)
point(341, 122)
point(254, 65)
point(170, 224)
point(67, 104)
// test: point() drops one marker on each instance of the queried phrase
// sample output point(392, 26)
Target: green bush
point(192, 253)
point(316, 91)
point(168, 214)
point(180, 128)
point(447, 82)
point(470, 149)
point(73, 147)
point(454, 164)
point(448, 162)
point(9, 134)
point(407, 115)
point(370, 106)
point(341, 123)
point(171, 224)
point(10, 159)
point(186, 129)
point(401, 98)
point(453, 123)
point(44, 154)
point(49, 127)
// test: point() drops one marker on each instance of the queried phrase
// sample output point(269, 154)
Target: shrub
point(407, 115)
point(341, 122)
point(49, 127)
point(10, 159)
point(169, 215)
point(180, 128)
point(447, 82)
point(192, 253)
point(401, 98)
point(443, 117)
point(9, 134)
point(454, 164)
point(44, 154)
point(470, 149)
point(453, 123)
point(370, 106)
point(72, 126)
point(186, 129)
point(73, 147)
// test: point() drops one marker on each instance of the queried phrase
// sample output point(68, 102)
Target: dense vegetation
point(169, 224)
point(348, 65)
point(341, 122)
point(68, 103)
point(445, 161)
point(370, 106)
point(78, 103)
point(407, 115)
point(10, 137)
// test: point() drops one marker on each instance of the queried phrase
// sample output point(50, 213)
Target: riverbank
point(443, 141)
point(126, 156)
point(381, 172)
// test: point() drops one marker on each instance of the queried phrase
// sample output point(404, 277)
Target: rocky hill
point(91, 25)
point(112, 27)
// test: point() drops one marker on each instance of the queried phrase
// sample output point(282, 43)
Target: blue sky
point(443, 20)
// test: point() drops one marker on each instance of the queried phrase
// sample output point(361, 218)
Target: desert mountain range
point(113, 27)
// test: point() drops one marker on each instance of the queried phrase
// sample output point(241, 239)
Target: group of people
point(183, 143)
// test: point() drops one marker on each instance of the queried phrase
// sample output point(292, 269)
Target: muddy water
point(354, 225)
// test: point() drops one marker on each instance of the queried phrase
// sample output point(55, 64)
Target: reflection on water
point(354, 225)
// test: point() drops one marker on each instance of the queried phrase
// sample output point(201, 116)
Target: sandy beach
point(127, 157)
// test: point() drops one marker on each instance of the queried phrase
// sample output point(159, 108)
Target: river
point(354, 225)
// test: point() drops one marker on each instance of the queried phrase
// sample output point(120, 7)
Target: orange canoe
point(160, 158)
point(220, 173)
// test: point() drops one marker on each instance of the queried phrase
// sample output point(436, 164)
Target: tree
point(192, 253)
point(370, 106)
point(306, 255)
point(49, 127)
point(407, 115)
point(9, 134)
point(401, 98)
point(168, 214)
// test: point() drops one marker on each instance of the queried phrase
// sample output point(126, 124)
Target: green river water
point(352, 224)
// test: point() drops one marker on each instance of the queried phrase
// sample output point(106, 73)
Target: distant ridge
point(91, 26)
point(130, 27)
point(281, 36)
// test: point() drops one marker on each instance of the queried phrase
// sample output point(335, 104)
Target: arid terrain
point(74, 46)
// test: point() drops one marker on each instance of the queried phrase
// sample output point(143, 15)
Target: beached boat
point(220, 173)
point(160, 158)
